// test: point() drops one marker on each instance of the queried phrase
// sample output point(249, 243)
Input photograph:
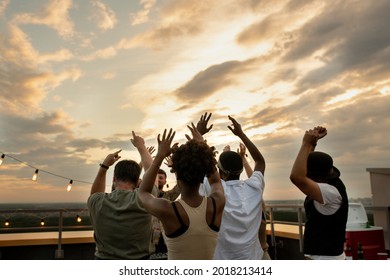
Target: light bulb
point(78, 219)
point(69, 188)
point(35, 176)
point(42, 222)
point(6, 223)
point(2, 158)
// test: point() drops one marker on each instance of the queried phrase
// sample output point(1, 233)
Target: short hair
point(193, 161)
point(161, 171)
point(127, 171)
point(230, 163)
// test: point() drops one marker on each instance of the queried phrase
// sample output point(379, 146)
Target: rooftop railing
point(295, 216)
point(41, 217)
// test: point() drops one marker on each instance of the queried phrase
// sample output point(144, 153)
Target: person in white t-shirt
point(238, 235)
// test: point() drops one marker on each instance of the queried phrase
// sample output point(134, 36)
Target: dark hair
point(161, 171)
point(127, 171)
point(231, 163)
point(193, 161)
point(320, 167)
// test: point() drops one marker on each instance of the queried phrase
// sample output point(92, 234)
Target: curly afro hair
point(193, 161)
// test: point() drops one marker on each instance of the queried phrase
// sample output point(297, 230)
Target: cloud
point(103, 15)
point(229, 74)
point(105, 53)
point(109, 75)
point(40, 131)
point(48, 142)
point(348, 43)
point(55, 15)
point(57, 56)
point(209, 81)
point(276, 21)
point(178, 19)
point(143, 15)
point(23, 89)
point(3, 6)
point(17, 49)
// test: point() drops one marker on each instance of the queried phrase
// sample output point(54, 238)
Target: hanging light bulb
point(78, 219)
point(42, 222)
point(69, 188)
point(35, 176)
point(6, 223)
point(2, 158)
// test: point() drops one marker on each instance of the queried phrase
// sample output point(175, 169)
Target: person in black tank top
point(324, 234)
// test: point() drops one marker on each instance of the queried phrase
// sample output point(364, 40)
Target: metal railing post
point(300, 230)
point(59, 254)
point(271, 218)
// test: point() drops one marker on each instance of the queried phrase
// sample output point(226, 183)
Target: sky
point(76, 77)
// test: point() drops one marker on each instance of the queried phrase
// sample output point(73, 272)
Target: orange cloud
point(55, 15)
point(103, 15)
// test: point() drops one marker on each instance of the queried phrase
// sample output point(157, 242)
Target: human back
point(181, 219)
point(199, 239)
point(122, 227)
point(238, 237)
point(326, 203)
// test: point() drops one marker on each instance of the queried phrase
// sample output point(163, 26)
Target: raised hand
point(201, 126)
point(195, 133)
point(137, 141)
point(151, 150)
point(235, 127)
point(226, 148)
point(242, 150)
point(310, 137)
point(164, 144)
point(321, 131)
point(168, 161)
point(112, 158)
point(313, 135)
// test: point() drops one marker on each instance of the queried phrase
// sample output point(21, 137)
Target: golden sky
point(76, 77)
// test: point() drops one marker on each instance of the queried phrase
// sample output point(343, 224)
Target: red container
point(372, 240)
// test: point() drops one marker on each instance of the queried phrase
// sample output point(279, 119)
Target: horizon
point(76, 77)
point(367, 201)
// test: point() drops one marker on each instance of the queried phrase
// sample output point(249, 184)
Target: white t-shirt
point(331, 197)
point(332, 202)
point(238, 235)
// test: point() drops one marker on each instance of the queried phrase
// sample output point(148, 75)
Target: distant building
point(380, 189)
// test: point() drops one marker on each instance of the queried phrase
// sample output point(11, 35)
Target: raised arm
point(145, 191)
point(173, 193)
point(299, 170)
point(242, 152)
point(151, 150)
point(201, 126)
point(99, 184)
point(236, 129)
point(146, 156)
point(214, 179)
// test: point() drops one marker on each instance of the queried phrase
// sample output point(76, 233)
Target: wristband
point(103, 166)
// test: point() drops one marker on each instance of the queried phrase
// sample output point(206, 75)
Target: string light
point(78, 219)
point(35, 176)
point(69, 188)
point(42, 222)
point(6, 223)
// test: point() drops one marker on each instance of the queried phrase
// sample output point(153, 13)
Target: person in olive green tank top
point(122, 227)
